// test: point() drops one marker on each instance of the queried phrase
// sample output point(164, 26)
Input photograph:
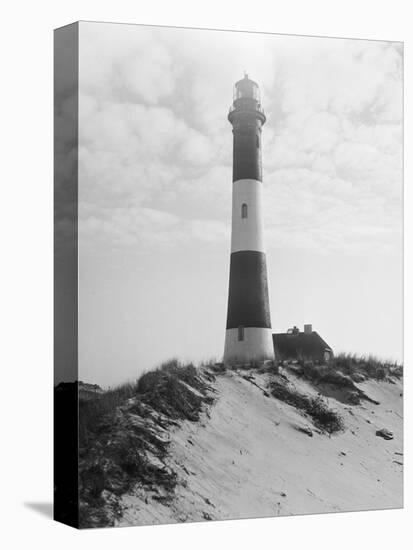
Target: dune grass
point(92, 411)
point(340, 376)
point(323, 417)
point(121, 436)
point(173, 389)
point(368, 366)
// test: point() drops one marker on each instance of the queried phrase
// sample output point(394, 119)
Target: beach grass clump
point(175, 390)
point(123, 436)
point(93, 410)
point(369, 367)
point(323, 417)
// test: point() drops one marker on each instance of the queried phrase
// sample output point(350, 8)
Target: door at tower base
point(248, 344)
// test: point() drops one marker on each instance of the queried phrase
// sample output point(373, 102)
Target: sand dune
point(247, 457)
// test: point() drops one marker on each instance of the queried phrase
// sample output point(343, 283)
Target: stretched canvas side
point(66, 402)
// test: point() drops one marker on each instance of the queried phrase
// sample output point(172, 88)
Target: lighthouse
point(248, 335)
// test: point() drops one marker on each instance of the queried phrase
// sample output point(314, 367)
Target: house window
point(240, 333)
point(244, 211)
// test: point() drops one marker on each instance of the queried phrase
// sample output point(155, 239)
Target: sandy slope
point(247, 459)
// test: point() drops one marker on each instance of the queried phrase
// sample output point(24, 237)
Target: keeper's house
point(301, 345)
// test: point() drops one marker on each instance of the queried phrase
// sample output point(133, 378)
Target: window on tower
point(240, 333)
point(244, 211)
point(257, 140)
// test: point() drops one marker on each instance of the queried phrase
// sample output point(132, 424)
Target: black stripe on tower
point(248, 303)
point(247, 148)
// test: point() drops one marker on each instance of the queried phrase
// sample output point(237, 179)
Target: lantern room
point(246, 100)
point(246, 88)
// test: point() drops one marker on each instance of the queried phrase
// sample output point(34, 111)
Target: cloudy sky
point(155, 154)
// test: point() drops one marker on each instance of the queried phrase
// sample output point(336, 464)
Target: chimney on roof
point(308, 329)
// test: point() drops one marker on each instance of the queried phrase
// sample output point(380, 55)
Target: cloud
point(148, 229)
point(132, 151)
point(154, 137)
point(125, 63)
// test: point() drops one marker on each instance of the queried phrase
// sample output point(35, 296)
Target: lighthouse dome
point(246, 88)
point(246, 102)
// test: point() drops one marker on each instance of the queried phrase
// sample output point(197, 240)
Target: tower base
point(256, 345)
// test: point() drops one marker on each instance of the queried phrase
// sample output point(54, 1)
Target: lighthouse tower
point(248, 334)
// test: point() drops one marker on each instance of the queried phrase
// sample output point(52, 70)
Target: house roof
point(292, 345)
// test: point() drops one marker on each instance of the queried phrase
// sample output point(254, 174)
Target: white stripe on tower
point(248, 335)
point(248, 231)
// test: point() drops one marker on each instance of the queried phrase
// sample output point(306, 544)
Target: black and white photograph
point(228, 275)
